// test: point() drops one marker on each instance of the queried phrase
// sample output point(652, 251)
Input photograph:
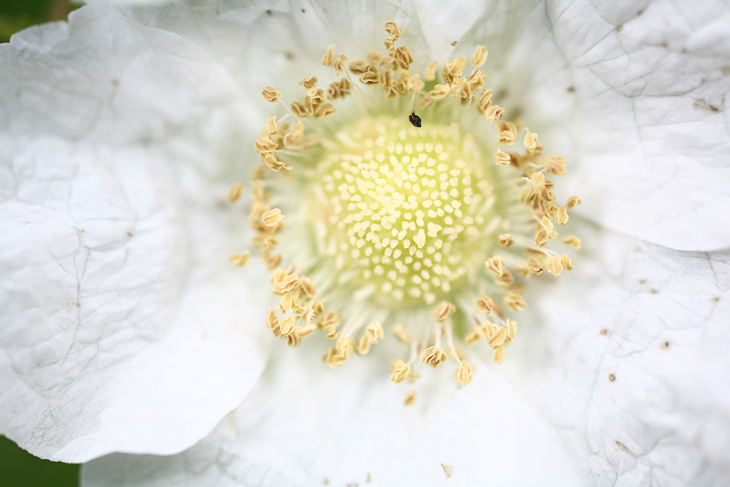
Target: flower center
point(402, 211)
point(389, 212)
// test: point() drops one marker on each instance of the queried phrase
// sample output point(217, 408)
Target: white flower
point(124, 329)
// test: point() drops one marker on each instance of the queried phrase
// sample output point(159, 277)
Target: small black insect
point(415, 119)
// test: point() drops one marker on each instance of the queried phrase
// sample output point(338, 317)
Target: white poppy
point(125, 329)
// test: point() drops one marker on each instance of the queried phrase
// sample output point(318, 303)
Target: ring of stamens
point(386, 218)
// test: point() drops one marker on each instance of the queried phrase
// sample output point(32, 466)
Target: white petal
point(124, 329)
point(628, 357)
point(634, 97)
point(445, 23)
point(307, 425)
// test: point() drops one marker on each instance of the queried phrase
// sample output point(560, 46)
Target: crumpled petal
point(633, 95)
point(628, 357)
point(124, 327)
point(305, 424)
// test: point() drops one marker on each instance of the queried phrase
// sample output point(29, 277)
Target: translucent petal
point(122, 319)
point(307, 425)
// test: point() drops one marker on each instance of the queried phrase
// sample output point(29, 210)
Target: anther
point(464, 374)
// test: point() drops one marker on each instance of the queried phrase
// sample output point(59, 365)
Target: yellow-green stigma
point(402, 212)
point(393, 210)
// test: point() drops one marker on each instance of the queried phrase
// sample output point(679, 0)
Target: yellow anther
point(555, 165)
point(370, 77)
point(287, 302)
point(271, 127)
point(340, 66)
point(304, 331)
point(297, 131)
point(547, 224)
point(511, 329)
point(344, 347)
point(271, 94)
point(308, 82)
point(271, 320)
point(506, 240)
point(535, 266)
point(301, 110)
point(464, 374)
point(561, 216)
point(415, 83)
point(390, 43)
point(401, 334)
point(555, 265)
point(235, 192)
point(443, 311)
point(393, 29)
point(272, 217)
point(331, 332)
point(457, 67)
point(538, 182)
point(374, 333)
point(496, 265)
point(339, 88)
point(316, 95)
point(400, 371)
point(439, 92)
point(410, 398)
point(485, 303)
point(531, 141)
point(494, 112)
point(286, 326)
point(373, 56)
point(573, 201)
point(358, 66)
point(265, 145)
point(485, 100)
point(332, 359)
point(566, 262)
point(572, 240)
point(499, 354)
point(328, 58)
point(404, 57)
point(431, 69)
point(362, 347)
point(506, 137)
point(240, 259)
point(501, 158)
point(433, 356)
point(273, 163)
point(306, 286)
point(479, 57)
point(473, 337)
point(324, 110)
point(497, 338)
point(288, 283)
point(514, 302)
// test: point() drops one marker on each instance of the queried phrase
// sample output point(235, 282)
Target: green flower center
point(404, 212)
point(368, 217)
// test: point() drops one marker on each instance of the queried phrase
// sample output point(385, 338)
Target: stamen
point(235, 192)
point(389, 211)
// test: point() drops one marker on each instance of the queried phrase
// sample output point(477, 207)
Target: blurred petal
point(124, 327)
point(633, 368)
point(308, 425)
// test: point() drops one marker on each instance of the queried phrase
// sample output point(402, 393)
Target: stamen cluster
point(389, 219)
